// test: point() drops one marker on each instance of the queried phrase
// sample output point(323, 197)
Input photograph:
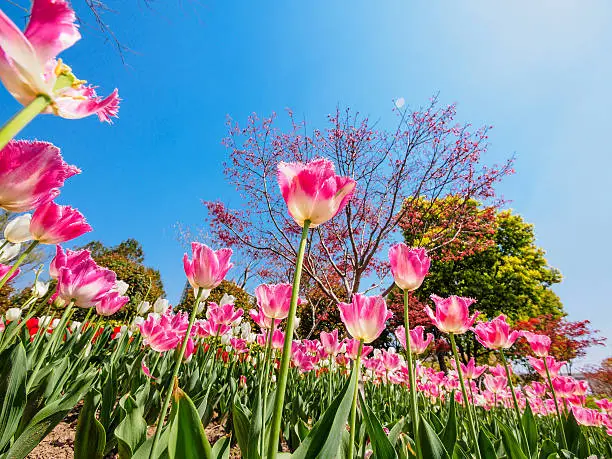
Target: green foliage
point(243, 299)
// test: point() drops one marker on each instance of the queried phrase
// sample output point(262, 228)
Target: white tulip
point(13, 314)
point(155, 316)
point(200, 307)
point(40, 289)
point(245, 330)
point(143, 307)
point(74, 326)
point(43, 321)
point(296, 323)
point(161, 305)
point(9, 251)
point(18, 229)
point(121, 287)
point(227, 299)
point(204, 294)
point(54, 323)
point(135, 324)
point(225, 339)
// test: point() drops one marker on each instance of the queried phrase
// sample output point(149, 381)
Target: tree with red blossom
point(569, 340)
point(600, 378)
point(428, 155)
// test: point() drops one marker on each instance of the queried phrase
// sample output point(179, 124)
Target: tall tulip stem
point(22, 118)
point(514, 400)
point(353, 417)
point(411, 375)
point(279, 401)
point(466, 400)
point(552, 390)
point(20, 260)
point(177, 366)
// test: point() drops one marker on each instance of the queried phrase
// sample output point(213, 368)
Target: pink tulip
point(207, 268)
point(587, 416)
point(29, 66)
point(471, 371)
point(162, 333)
point(452, 314)
point(239, 345)
point(390, 360)
point(31, 174)
point(5, 269)
point(499, 370)
point(67, 258)
point(302, 361)
point(551, 362)
point(261, 319)
point(495, 334)
point(495, 384)
point(278, 339)
point(565, 386)
point(365, 316)
point(418, 342)
point(223, 315)
point(331, 344)
point(274, 300)
point(52, 224)
point(313, 191)
point(211, 328)
point(408, 266)
point(85, 283)
point(352, 345)
point(111, 303)
point(535, 389)
point(540, 344)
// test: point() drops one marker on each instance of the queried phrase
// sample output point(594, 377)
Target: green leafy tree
point(508, 274)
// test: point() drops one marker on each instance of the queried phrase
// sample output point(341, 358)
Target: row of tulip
point(274, 395)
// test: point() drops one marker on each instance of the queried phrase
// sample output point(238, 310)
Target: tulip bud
point(74, 326)
point(227, 299)
point(121, 287)
point(18, 229)
point(9, 251)
point(225, 339)
point(54, 323)
point(296, 323)
point(13, 314)
point(161, 305)
point(135, 327)
point(143, 307)
point(40, 289)
point(200, 307)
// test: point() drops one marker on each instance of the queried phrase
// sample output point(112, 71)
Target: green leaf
point(241, 426)
point(547, 449)
point(221, 449)
point(90, 438)
point(381, 446)
point(13, 368)
point(511, 445)
point(46, 419)
point(255, 429)
point(572, 431)
point(431, 445)
point(449, 435)
point(131, 432)
point(531, 429)
point(487, 450)
point(396, 430)
point(325, 436)
point(186, 439)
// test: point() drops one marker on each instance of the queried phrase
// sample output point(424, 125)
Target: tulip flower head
point(40, 289)
point(452, 314)
point(31, 173)
point(111, 303)
point(408, 266)
point(331, 344)
point(495, 334)
point(52, 224)
point(29, 66)
point(18, 229)
point(12, 314)
point(274, 300)
point(143, 307)
point(312, 191)
point(418, 342)
point(67, 258)
point(9, 251)
point(161, 305)
point(225, 314)
point(471, 371)
point(5, 269)
point(207, 268)
point(553, 366)
point(540, 344)
point(365, 316)
point(85, 283)
point(352, 345)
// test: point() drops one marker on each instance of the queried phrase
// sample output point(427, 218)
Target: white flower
point(43, 321)
point(9, 251)
point(296, 323)
point(74, 325)
point(121, 287)
point(40, 289)
point(54, 323)
point(13, 314)
point(225, 339)
point(204, 294)
point(245, 330)
point(400, 102)
point(135, 324)
point(161, 305)
point(201, 306)
point(155, 315)
point(143, 307)
point(227, 299)
point(18, 229)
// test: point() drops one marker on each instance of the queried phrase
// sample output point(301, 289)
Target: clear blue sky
point(540, 72)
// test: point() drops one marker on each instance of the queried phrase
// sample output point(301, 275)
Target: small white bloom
point(40, 289)
point(143, 307)
point(74, 326)
point(297, 323)
point(9, 251)
point(54, 323)
point(121, 287)
point(227, 299)
point(245, 330)
point(136, 322)
point(43, 321)
point(201, 306)
point(225, 339)
point(228, 348)
point(155, 315)
point(13, 314)
point(400, 102)
point(251, 338)
point(18, 229)
point(161, 305)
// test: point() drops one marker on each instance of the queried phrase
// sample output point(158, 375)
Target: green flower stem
point(263, 384)
point(177, 366)
point(516, 405)
point(279, 401)
point(353, 417)
point(20, 260)
point(59, 330)
point(22, 118)
point(466, 400)
point(6, 340)
point(411, 376)
point(552, 390)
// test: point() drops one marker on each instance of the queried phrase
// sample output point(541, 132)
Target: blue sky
point(539, 72)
